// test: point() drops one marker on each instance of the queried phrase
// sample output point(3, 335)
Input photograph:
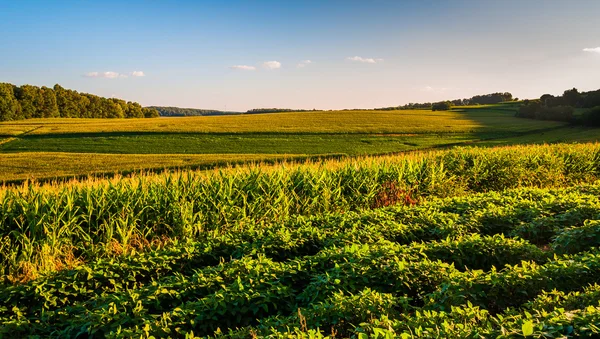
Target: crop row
point(549, 315)
point(307, 236)
point(536, 215)
point(43, 227)
point(248, 292)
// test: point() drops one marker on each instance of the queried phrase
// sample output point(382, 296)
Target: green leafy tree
point(571, 97)
point(150, 112)
point(68, 102)
point(134, 110)
point(112, 109)
point(441, 106)
point(9, 106)
point(30, 99)
point(48, 107)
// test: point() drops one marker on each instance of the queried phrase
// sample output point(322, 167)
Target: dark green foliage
point(592, 117)
point(486, 99)
point(578, 238)
point(400, 269)
point(48, 105)
point(187, 112)
point(10, 108)
point(28, 102)
point(277, 110)
point(30, 99)
point(562, 108)
point(441, 106)
point(591, 99)
point(535, 109)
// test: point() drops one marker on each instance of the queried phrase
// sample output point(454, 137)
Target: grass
point(15, 167)
point(365, 122)
point(188, 143)
point(104, 145)
point(558, 135)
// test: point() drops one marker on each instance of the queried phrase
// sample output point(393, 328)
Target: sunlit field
point(75, 147)
point(269, 250)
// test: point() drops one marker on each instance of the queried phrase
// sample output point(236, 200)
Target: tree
point(48, 107)
point(30, 98)
point(134, 110)
point(545, 98)
point(9, 106)
point(68, 102)
point(441, 106)
point(150, 112)
point(571, 97)
point(112, 109)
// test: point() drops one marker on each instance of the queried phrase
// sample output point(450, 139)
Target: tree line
point(277, 110)
point(29, 102)
point(169, 111)
point(562, 107)
point(485, 99)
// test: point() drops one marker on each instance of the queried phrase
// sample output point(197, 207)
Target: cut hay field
point(75, 147)
point(363, 122)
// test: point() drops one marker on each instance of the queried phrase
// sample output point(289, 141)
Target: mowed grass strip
point(404, 121)
point(200, 143)
point(23, 166)
point(559, 135)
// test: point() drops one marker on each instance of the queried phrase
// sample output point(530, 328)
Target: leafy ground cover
point(488, 264)
point(49, 225)
point(467, 242)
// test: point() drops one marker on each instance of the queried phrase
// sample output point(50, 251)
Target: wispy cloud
point(304, 63)
point(272, 64)
point(592, 50)
point(243, 67)
point(434, 89)
point(364, 60)
point(138, 74)
point(107, 75)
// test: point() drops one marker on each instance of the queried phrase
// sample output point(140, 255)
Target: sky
point(238, 55)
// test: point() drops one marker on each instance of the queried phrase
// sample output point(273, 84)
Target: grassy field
point(364, 122)
point(105, 146)
point(16, 166)
point(459, 243)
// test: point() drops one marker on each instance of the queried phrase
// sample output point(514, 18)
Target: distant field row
point(405, 121)
point(54, 148)
point(21, 166)
point(199, 143)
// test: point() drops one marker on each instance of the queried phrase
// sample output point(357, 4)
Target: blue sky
point(238, 55)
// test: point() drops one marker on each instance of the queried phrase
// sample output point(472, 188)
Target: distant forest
point(277, 110)
point(188, 112)
point(485, 99)
point(562, 107)
point(29, 102)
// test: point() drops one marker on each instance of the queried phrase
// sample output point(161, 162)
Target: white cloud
point(434, 89)
point(243, 67)
point(138, 74)
point(364, 60)
point(303, 63)
point(592, 50)
point(107, 75)
point(272, 64)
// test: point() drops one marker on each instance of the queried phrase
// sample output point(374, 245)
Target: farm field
point(14, 167)
point(466, 242)
point(299, 170)
point(64, 147)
